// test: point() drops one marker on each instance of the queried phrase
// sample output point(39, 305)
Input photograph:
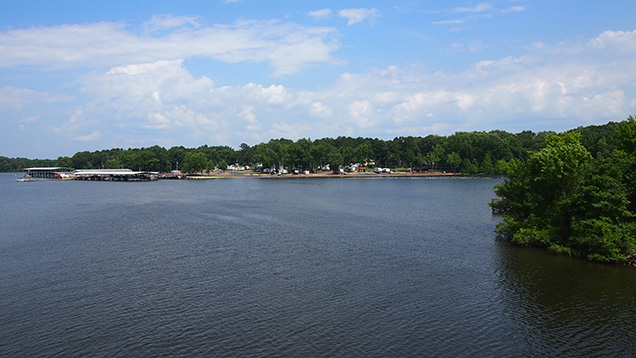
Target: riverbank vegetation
point(573, 200)
point(466, 152)
point(11, 165)
point(572, 193)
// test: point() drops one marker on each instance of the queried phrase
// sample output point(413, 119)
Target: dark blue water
point(293, 268)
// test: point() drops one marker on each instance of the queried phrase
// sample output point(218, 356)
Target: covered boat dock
point(113, 175)
point(49, 172)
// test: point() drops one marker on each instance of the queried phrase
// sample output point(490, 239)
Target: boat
point(25, 178)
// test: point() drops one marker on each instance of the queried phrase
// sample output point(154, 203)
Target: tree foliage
point(195, 162)
point(467, 152)
point(563, 198)
point(8, 165)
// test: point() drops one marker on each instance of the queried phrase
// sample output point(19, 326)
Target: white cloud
point(157, 121)
point(484, 6)
point(94, 135)
point(355, 16)
point(472, 47)
point(17, 98)
point(320, 14)
point(449, 22)
point(319, 109)
point(283, 129)
point(169, 21)
point(615, 41)
point(112, 44)
point(475, 13)
point(76, 123)
point(248, 115)
point(27, 120)
point(506, 93)
point(165, 100)
point(517, 8)
point(272, 94)
point(361, 112)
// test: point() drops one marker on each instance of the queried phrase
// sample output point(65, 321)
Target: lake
point(291, 268)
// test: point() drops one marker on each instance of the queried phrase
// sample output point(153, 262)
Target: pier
point(114, 175)
point(48, 172)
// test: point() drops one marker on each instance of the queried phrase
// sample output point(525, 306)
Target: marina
point(48, 172)
point(114, 175)
point(128, 175)
point(64, 173)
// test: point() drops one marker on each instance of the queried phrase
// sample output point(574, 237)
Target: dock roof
point(66, 169)
point(120, 172)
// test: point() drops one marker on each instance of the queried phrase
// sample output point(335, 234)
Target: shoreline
point(239, 175)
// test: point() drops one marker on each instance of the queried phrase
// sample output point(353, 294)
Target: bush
point(563, 199)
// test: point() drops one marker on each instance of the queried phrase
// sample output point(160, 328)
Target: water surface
point(296, 267)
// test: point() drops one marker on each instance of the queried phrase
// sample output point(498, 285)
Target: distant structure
point(88, 174)
point(113, 175)
point(49, 172)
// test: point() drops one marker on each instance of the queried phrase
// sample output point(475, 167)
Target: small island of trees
point(569, 201)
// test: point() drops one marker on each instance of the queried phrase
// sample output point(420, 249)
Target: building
point(113, 175)
point(49, 172)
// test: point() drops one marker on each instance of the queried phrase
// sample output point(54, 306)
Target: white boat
point(25, 178)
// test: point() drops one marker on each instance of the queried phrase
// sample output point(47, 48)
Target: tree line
point(569, 199)
point(11, 165)
point(467, 152)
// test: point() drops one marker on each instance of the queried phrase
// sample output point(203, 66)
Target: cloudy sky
point(90, 75)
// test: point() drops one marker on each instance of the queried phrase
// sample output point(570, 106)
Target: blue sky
point(91, 75)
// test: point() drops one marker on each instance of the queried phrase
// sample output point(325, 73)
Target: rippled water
point(296, 267)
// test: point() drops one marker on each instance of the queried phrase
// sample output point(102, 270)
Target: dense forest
point(569, 199)
point(9, 165)
point(467, 152)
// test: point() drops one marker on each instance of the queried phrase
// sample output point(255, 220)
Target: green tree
point(625, 156)
point(419, 162)
point(562, 199)
point(209, 166)
point(262, 156)
point(468, 167)
point(195, 162)
point(486, 166)
point(334, 158)
point(318, 154)
point(393, 159)
point(543, 185)
point(64, 162)
point(454, 160)
point(131, 159)
point(276, 149)
point(246, 154)
point(82, 160)
point(176, 156)
point(440, 154)
point(501, 167)
point(363, 153)
point(113, 163)
point(301, 150)
point(432, 159)
point(222, 165)
point(410, 157)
